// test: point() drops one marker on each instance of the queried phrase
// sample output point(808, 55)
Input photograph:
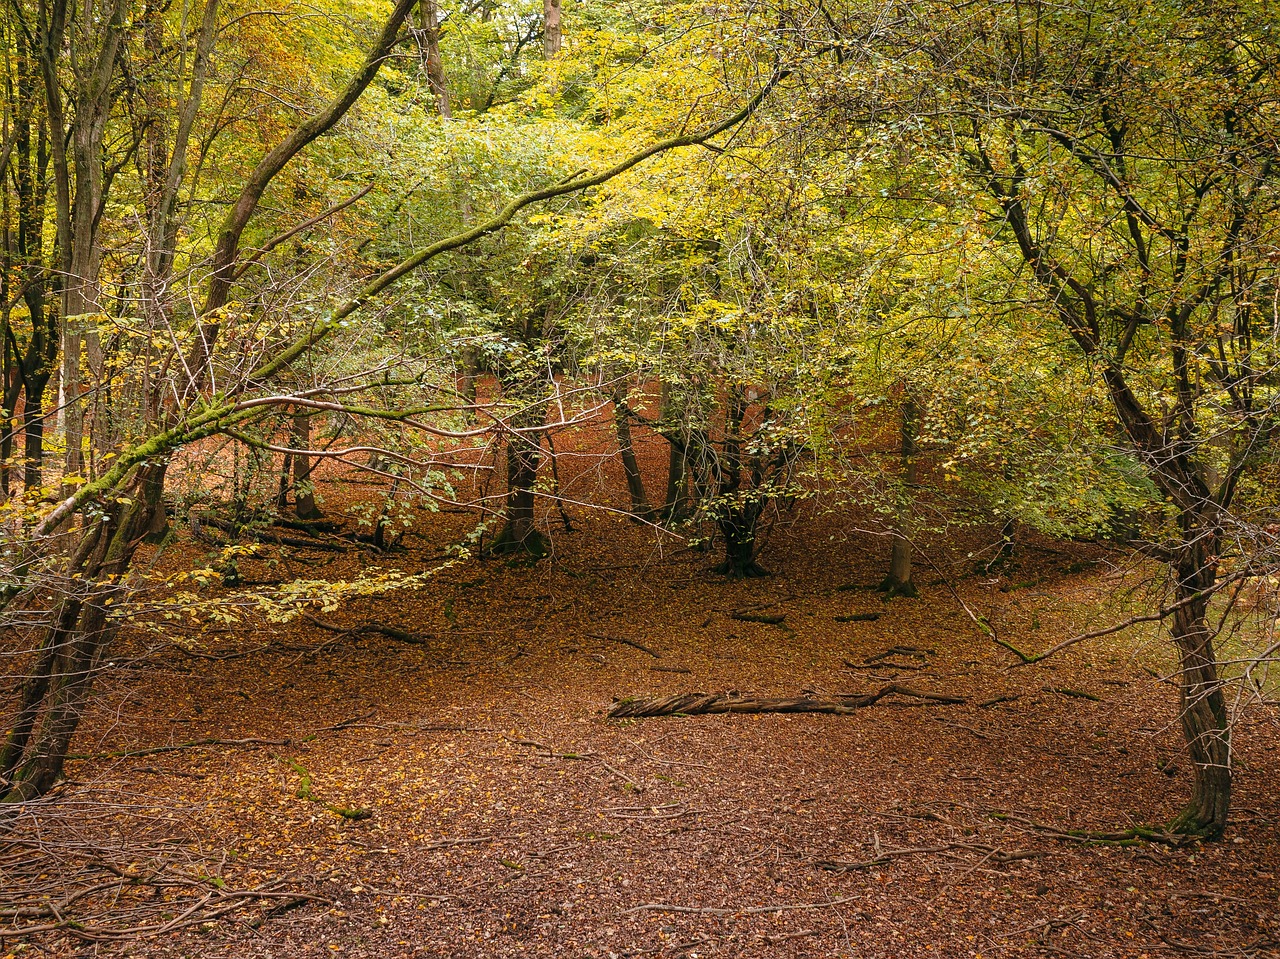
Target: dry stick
point(703, 704)
point(626, 642)
point(881, 664)
point(750, 911)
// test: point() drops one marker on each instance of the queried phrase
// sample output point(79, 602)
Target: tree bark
point(304, 492)
point(630, 468)
point(520, 533)
point(551, 36)
point(1203, 713)
point(429, 28)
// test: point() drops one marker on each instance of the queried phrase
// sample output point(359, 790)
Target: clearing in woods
point(453, 784)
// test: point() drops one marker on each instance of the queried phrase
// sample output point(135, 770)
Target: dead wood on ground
point(704, 704)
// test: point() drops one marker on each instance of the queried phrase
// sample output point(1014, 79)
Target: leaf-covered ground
point(465, 795)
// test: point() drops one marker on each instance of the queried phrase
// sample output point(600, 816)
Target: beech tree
point(1128, 154)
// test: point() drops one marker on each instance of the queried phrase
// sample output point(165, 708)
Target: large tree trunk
point(898, 582)
point(738, 527)
point(1203, 707)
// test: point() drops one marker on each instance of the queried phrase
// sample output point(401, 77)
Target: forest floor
point(465, 794)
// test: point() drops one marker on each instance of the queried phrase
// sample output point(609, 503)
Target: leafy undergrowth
point(464, 793)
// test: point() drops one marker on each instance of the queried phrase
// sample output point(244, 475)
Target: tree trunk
point(520, 534)
point(736, 516)
point(551, 28)
point(429, 26)
point(33, 438)
point(675, 504)
point(304, 491)
point(631, 469)
point(898, 582)
point(1203, 707)
point(57, 689)
point(738, 527)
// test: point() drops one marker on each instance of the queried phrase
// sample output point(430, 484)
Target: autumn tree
point(1128, 157)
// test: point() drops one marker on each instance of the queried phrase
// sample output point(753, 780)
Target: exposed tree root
point(1134, 836)
point(703, 704)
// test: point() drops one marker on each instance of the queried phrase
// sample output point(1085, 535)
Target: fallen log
point(705, 704)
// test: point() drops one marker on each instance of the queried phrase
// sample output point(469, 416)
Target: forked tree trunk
point(1205, 723)
point(899, 582)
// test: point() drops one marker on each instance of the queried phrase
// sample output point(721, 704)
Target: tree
point(1137, 190)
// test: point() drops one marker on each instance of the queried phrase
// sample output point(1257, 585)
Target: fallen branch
point(1073, 693)
point(626, 642)
point(260, 535)
point(582, 757)
point(703, 704)
point(881, 664)
point(770, 620)
point(1133, 836)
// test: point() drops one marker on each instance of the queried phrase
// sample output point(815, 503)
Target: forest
point(751, 478)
